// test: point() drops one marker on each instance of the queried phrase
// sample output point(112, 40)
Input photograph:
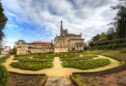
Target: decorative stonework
point(68, 42)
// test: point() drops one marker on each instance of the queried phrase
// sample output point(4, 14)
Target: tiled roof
point(41, 43)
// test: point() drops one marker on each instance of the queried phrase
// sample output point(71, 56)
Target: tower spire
point(61, 27)
point(61, 24)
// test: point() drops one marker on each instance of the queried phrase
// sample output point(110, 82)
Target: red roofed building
point(34, 47)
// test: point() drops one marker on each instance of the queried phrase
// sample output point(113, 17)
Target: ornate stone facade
point(35, 47)
point(68, 42)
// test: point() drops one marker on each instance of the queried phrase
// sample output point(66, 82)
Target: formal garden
point(84, 61)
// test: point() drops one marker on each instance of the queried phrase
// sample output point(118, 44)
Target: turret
point(61, 28)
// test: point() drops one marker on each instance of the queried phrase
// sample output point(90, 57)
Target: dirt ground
point(113, 79)
point(25, 80)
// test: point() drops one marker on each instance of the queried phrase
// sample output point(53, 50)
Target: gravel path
point(58, 70)
point(59, 81)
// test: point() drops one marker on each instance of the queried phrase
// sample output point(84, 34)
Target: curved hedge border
point(31, 65)
point(26, 59)
point(87, 64)
point(109, 71)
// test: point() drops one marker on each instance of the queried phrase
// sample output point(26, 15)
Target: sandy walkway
point(58, 70)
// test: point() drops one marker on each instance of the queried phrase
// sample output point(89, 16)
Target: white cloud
point(80, 16)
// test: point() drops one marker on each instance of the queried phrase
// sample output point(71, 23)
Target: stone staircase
point(59, 81)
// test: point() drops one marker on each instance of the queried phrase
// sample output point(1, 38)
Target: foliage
point(114, 54)
point(31, 65)
point(2, 59)
point(77, 57)
point(3, 20)
point(87, 64)
point(3, 76)
point(103, 41)
point(27, 59)
point(37, 56)
point(120, 20)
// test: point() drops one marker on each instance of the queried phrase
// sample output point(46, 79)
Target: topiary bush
point(3, 76)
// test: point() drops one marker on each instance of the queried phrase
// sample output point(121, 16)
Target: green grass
point(31, 65)
point(3, 76)
point(114, 54)
point(87, 64)
point(3, 59)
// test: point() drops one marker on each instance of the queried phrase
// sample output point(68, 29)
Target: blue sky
point(39, 20)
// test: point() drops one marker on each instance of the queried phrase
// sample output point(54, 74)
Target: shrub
point(87, 64)
point(27, 59)
point(77, 56)
point(3, 76)
point(31, 65)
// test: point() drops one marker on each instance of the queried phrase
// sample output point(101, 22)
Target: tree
point(3, 20)
point(96, 38)
point(103, 37)
point(120, 20)
point(111, 34)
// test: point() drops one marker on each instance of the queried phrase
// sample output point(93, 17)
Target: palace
point(34, 47)
point(68, 42)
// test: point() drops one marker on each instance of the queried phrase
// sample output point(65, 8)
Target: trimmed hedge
point(77, 56)
point(87, 64)
point(76, 59)
point(3, 76)
point(31, 65)
point(33, 59)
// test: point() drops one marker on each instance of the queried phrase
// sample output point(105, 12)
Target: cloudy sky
point(39, 20)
